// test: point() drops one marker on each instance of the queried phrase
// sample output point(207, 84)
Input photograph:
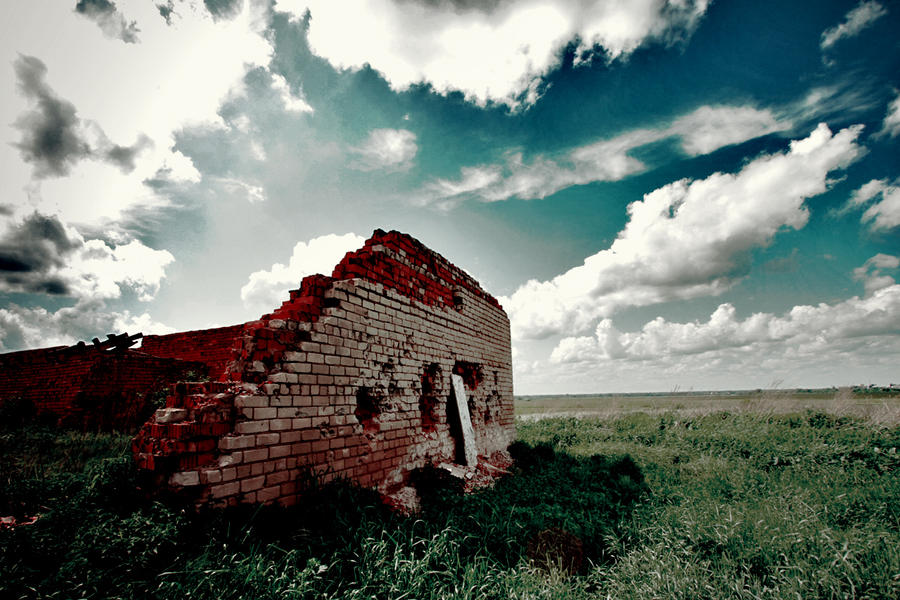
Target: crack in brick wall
point(345, 378)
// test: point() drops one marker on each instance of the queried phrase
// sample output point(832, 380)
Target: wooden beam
point(465, 420)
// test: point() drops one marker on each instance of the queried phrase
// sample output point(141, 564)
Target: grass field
point(876, 407)
point(680, 498)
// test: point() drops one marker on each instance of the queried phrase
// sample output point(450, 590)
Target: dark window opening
point(429, 398)
point(470, 372)
point(368, 408)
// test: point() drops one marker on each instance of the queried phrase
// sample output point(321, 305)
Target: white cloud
point(687, 239)
point(257, 150)
point(496, 52)
point(865, 193)
point(702, 131)
point(23, 328)
point(176, 167)
point(845, 97)
point(98, 270)
point(860, 17)
point(388, 149)
point(238, 187)
point(882, 214)
point(871, 272)
point(766, 365)
point(712, 127)
point(266, 290)
point(142, 323)
point(472, 180)
point(41, 254)
point(891, 125)
point(175, 76)
point(821, 328)
point(291, 102)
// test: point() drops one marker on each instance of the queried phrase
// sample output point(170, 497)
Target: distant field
point(880, 407)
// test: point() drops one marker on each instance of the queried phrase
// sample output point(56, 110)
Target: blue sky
point(691, 194)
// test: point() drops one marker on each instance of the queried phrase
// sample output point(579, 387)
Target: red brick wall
point(349, 377)
point(213, 347)
point(116, 391)
point(410, 269)
point(44, 378)
point(88, 388)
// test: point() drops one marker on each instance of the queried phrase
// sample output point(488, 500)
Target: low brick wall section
point(213, 347)
point(88, 388)
point(36, 376)
point(350, 377)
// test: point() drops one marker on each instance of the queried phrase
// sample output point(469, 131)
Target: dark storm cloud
point(166, 11)
point(95, 7)
point(53, 135)
point(123, 156)
point(223, 9)
point(29, 253)
point(37, 244)
point(111, 22)
point(52, 286)
point(50, 133)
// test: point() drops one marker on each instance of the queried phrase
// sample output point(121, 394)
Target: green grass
point(37, 462)
point(99, 536)
point(674, 505)
point(748, 505)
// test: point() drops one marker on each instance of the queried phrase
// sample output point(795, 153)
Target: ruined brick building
point(397, 360)
point(350, 377)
